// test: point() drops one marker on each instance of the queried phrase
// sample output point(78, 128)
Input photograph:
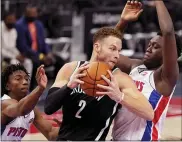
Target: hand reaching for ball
point(75, 79)
point(112, 90)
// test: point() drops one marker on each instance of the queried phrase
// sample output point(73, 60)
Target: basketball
point(93, 77)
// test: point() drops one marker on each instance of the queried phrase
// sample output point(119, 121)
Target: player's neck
point(13, 96)
point(94, 58)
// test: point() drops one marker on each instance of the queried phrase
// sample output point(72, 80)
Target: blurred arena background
point(69, 26)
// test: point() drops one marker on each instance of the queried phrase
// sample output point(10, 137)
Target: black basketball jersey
point(85, 117)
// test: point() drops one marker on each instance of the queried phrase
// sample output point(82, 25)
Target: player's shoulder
point(117, 71)
point(70, 66)
point(68, 69)
point(5, 103)
point(136, 63)
point(119, 74)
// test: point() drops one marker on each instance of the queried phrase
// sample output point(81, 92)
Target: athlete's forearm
point(28, 103)
point(55, 99)
point(121, 25)
point(170, 71)
point(164, 18)
point(137, 103)
point(45, 126)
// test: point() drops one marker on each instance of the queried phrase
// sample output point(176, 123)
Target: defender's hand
point(112, 90)
point(75, 79)
point(41, 77)
point(131, 11)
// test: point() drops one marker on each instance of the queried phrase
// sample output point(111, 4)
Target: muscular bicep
point(10, 108)
point(127, 82)
point(133, 99)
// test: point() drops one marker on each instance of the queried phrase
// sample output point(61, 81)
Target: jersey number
point(82, 104)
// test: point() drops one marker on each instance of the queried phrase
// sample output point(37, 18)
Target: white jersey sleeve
point(17, 128)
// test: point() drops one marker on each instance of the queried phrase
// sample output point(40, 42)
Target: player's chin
point(146, 60)
point(111, 65)
point(24, 92)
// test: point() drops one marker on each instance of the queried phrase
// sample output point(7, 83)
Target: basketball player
point(87, 117)
point(155, 76)
point(18, 109)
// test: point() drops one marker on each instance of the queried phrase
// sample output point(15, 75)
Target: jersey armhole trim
point(78, 64)
point(151, 80)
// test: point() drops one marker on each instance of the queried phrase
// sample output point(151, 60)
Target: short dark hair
point(105, 32)
point(8, 13)
point(31, 6)
point(178, 43)
point(9, 70)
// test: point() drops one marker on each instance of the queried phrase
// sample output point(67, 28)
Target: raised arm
point(131, 12)
point(13, 108)
point(169, 71)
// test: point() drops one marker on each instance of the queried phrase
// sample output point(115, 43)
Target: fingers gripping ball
point(93, 77)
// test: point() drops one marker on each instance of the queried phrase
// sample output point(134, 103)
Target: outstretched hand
point(41, 77)
point(132, 11)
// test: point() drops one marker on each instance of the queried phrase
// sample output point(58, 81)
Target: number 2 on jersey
point(82, 104)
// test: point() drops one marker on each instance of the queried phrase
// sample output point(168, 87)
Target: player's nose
point(25, 82)
point(149, 49)
point(117, 55)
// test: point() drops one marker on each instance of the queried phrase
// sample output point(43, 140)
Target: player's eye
point(27, 78)
point(156, 46)
point(113, 49)
point(17, 78)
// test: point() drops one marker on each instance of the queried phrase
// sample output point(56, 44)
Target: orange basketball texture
point(93, 77)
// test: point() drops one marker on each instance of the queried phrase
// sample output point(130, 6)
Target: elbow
point(168, 31)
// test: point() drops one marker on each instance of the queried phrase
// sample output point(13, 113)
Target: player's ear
point(7, 87)
point(97, 47)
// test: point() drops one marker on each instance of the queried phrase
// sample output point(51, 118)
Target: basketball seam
point(95, 78)
point(88, 82)
point(101, 78)
point(89, 75)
